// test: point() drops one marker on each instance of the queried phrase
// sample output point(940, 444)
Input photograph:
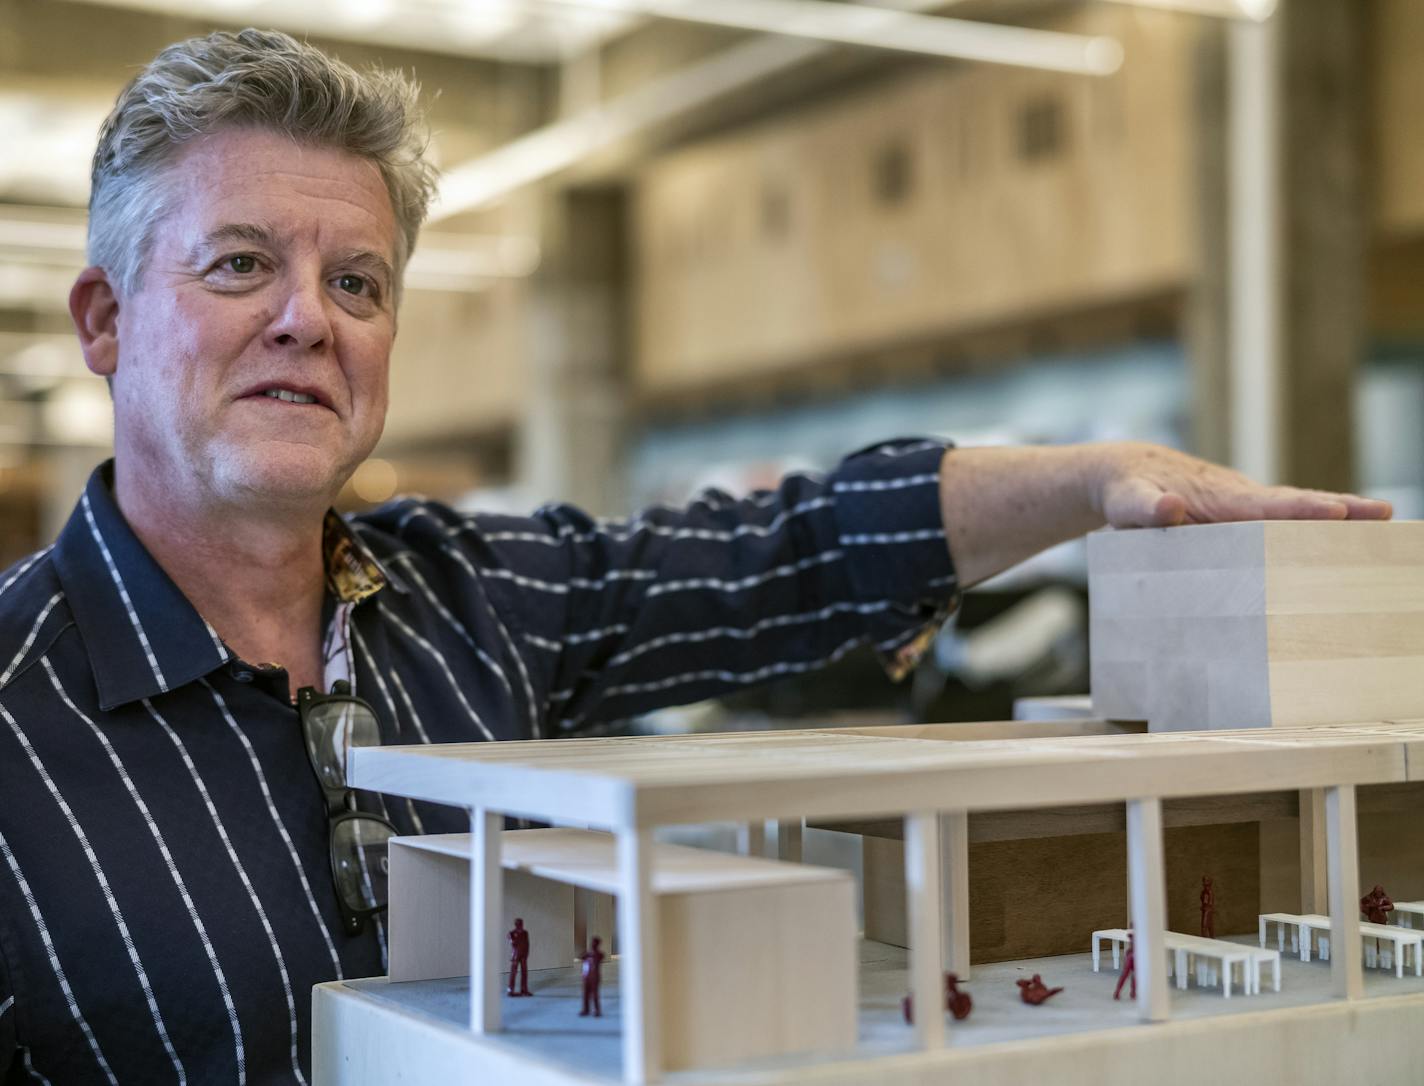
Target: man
point(171, 875)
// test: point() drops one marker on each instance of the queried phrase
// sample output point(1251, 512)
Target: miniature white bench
point(1405, 911)
point(1302, 927)
point(1116, 937)
point(1401, 939)
point(1184, 947)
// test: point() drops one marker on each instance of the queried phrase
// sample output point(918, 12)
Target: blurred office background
point(688, 243)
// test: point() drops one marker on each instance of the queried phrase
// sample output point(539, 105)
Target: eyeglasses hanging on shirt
point(332, 724)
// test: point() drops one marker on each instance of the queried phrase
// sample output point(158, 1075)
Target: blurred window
point(1041, 129)
point(775, 211)
point(894, 174)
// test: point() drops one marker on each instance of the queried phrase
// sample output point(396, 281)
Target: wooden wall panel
point(946, 200)
point(1044, 896)
point(1397, 88)
point(459, 362)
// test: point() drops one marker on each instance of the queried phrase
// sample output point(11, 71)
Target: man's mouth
point(290, 397)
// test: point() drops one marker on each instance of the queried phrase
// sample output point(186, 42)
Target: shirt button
point(243, 676)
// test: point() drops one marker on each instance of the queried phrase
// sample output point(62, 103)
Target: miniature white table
point(1302, 927)
point(1400, 939)
point(1116, 937)
point(1184, 947)
point(1405, 911)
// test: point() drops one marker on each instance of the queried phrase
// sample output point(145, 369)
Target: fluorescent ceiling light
point(547, 151)
point(507, 30)
point(1255, 10)
point(886, 28)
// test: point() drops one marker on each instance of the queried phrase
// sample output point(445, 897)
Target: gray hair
point(249, 79)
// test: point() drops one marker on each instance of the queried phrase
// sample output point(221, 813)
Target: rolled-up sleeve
point(616, 618)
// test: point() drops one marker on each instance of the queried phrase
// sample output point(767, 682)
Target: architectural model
point(749, 970)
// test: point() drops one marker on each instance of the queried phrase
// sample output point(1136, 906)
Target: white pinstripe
point(30, 1069)
point(391, 705)
point(103, 880)
point(217, 641)
point(277, 821)
point(30, 640)
point(623, 531)
point(172, 870)
point(6, 1006)
point(242, 875)
point(918, 535)
point(743, 583)
point(360, 644)
point(535, 728)
point(123, 593)
point(616, 630)
point(852, 486)
point(785, 668)
point(749, 632)
point(409, 706)
point(406, 561)
point(543, 643)
point(444, 667)
point(54, 962)
point(25, 566)
point(744, 633)
point(562, 588)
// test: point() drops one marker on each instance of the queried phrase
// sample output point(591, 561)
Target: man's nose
point(303, 320)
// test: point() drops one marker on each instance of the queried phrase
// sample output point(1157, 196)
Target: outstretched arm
point(1003, 505)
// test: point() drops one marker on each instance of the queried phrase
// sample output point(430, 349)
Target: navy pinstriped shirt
point(165, 897)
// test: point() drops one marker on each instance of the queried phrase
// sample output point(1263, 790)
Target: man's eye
point(353, 284)
point(242, 263)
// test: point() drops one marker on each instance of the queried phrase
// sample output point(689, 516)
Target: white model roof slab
point(628, 782)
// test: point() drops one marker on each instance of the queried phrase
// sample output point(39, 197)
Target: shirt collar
point(142, 635)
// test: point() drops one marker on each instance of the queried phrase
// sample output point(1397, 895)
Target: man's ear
point(94, 307)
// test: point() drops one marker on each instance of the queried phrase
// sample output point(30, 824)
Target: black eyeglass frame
point(340, 801)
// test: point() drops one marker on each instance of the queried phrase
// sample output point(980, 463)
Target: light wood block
point(428, 931)
point(364, 1039)
point(1258, 624)
point(742, 957)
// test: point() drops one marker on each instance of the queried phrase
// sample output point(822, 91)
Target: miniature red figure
point(1208, 909)
point(1129, 970)
point(592, 959)
point(956, 1002)
point(1376, 905)
point(519, 958)
point(1035, 991)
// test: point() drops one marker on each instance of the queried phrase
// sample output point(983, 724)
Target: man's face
point(271, 274)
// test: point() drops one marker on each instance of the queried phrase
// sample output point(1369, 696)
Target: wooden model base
point(373, 1032)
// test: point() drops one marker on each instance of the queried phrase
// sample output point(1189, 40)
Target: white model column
point(1343, 859)
point(1147, 881)
point(925, 926)
point(637, 966)
point(486, 919)
point(789, 839)
point(751, 838)
point(954, 840)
